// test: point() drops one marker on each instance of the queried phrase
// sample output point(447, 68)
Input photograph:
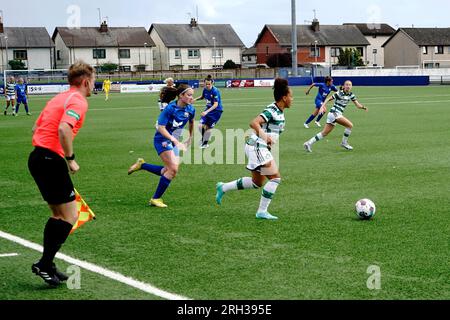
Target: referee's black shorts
point(51, 174)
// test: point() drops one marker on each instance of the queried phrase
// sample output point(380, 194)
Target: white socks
point(268, 193)
point(239, 184)
point(316, 138)
point(347, 133)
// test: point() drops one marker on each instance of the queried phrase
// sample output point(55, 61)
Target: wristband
point(72, 157)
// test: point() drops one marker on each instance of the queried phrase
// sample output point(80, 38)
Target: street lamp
point(6, 41)
point(6, 47)
point(315, 57)
point(315, 51)
point(374, 57)
point(214, 52)
point(145, 55)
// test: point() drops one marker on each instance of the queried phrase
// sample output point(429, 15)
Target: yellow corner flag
point(85, 213)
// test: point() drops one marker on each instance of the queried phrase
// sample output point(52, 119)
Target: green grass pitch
point(318, 249)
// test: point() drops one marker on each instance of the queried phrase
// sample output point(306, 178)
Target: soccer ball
point(365, 209)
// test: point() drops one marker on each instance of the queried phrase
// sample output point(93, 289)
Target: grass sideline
point(317, 250)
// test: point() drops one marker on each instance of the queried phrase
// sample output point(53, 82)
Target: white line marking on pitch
point(97, 269)
point(4, 255)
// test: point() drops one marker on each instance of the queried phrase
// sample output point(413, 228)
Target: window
point(425, 50)
point(20, 55)
point(218, 53)
point(177, 53)
point(125, 68)
point(314, 52)
point(58, 54)
point(335, 52)
point(439, 49)
point(194, 67)
point(361, 51)
point(124, 54)
point(193, 53)
point(428, 65)
point(374, 51)
point(267, 51)
point(99, 53)
point(217, 66)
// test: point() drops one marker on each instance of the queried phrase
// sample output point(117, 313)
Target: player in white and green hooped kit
point(341, 100)
point(267, 127)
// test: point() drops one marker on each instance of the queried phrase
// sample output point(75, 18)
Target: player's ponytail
point(280, 88)
point(209, 78)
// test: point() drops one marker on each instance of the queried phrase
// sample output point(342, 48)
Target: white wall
point(164, 57)
point(160, 55)
point(390, 72)
point(65, 60)
point(376, 43)
point(206, 59)
point(38, 58)
point(70, 55)
point(334, 60)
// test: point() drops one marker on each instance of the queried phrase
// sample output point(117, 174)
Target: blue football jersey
point(175, 118)
point(324, 91)
point(21, 89)
point(212, 96)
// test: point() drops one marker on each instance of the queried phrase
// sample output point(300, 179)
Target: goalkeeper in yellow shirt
point(106, 88)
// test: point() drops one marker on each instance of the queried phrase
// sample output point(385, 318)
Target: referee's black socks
point(56, 232)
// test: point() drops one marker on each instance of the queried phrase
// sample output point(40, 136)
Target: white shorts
point(9, 98)
point(332, 117)
point(258, 155)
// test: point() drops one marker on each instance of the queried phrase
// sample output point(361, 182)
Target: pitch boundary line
point(5, 255)
point(146, 287)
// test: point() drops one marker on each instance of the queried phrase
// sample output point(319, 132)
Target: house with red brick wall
point(317, 43)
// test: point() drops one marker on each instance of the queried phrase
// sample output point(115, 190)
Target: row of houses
point(196, 46)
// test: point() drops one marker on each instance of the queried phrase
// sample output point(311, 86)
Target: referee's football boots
point(51, 276)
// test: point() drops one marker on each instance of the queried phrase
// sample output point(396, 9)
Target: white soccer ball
point(365, 209)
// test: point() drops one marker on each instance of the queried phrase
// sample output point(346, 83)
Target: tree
point(17, 65)
point(350, 57)
point(109, 67)
point(229, 64)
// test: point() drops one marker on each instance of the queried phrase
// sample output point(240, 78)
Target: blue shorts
point(319, 103)
point(211, 119)
point(22, 100)
point(162, 145)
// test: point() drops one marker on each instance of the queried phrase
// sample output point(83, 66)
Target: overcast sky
point(246, 16)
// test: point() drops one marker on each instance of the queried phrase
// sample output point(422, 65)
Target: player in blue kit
point(212, 113)
point(21, 92)
point(172, 119)
point(322, 94)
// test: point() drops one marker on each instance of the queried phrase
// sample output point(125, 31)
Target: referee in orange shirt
point(53, 158)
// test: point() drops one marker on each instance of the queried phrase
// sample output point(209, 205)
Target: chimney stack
point(315, 26)
point(104, 27)
point(193, 23)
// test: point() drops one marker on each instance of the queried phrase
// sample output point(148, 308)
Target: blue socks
point(320, 117)
point(162, 187)
point(153, 169)
point(311, 118)
point(163, 181)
